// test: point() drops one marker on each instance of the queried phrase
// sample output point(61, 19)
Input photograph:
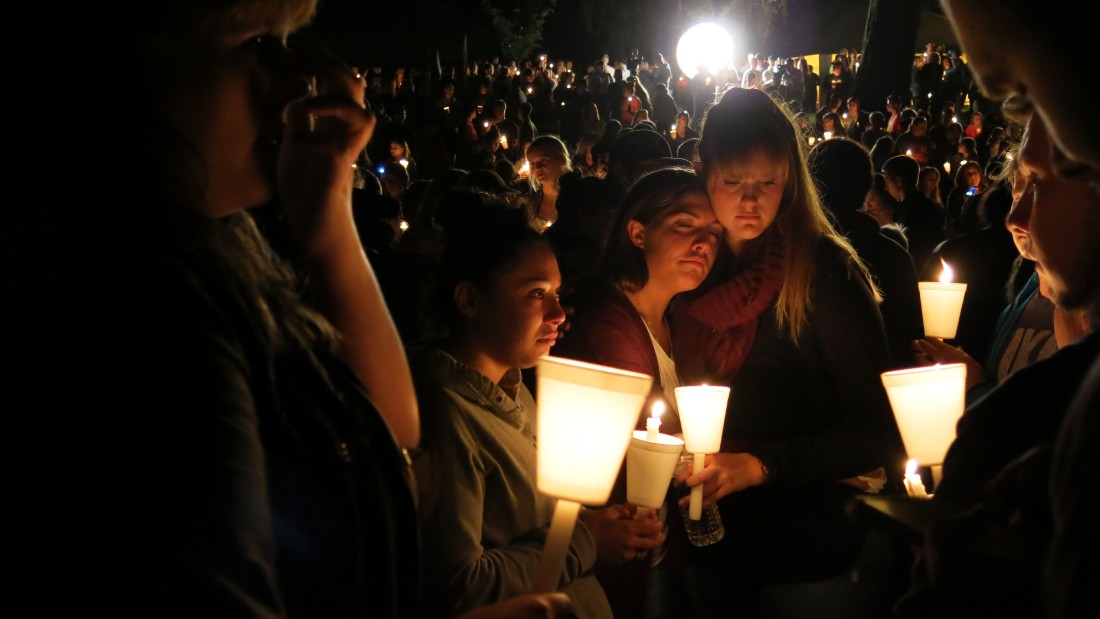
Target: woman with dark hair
point(482, 518)
point(792, 324)
point(962, 201)
point(663, 243)
point(402, 155)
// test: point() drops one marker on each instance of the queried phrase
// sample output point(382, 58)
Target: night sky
point(410, 31)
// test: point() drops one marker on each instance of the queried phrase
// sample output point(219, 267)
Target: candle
point(485, 124)
point(672, 131)
point(908, 153)
point(947, 166)
point(914, 487)
point(703, 415)
point(927, 403)
point(404, 163)
point(828, 135)
point(954, 119)
point(653, 423)
point(530, 90)
point(941, 303)
point(586, 413)
point(810, 140)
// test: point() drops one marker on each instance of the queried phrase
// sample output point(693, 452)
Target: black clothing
point(180, 459)
point(1023, 412)
point(892, 267)
point(924, 222)
point(814, 412)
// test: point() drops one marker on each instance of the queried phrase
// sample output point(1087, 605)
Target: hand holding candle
point(703, 415)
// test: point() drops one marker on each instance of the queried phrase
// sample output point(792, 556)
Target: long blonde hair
point(743, 124)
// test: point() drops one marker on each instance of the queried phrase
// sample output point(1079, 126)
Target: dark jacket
point(892, 268)
point(172, 462)
point(814, 412)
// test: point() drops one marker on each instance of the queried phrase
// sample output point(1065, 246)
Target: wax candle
point(941, 303)
point(914, 486)
point(653, 424)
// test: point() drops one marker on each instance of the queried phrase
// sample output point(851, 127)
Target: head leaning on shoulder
point(747, 127)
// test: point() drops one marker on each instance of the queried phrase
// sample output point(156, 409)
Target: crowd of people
point(272, 351)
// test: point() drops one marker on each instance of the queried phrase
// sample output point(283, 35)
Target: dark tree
point(888, 45)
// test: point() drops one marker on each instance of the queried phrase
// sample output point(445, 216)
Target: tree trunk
point(888, 47)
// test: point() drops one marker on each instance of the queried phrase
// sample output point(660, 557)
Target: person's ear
point(466, 299)
point(635, 231)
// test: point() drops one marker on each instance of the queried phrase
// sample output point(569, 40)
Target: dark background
point(411, 32)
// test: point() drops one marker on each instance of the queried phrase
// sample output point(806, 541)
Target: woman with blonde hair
point(791, 322)
point(549, 160)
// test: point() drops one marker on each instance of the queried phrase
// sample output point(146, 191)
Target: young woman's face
point(746, 196)
point(679, 249)
point(973, 176)
point(929, 182)
point(396, 150)
point(546, 167)
point(517, 317)
point(228, 101)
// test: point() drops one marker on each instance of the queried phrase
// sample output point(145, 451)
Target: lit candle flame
point(948, 274)
point(485, 124)
point(911, 467)
point(404, 225)
point(947, 166)
point(909, 153)
point(658, 409)
point(828, 135)
point(954, 119)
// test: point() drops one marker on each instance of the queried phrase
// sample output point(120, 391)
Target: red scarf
point(715, 331)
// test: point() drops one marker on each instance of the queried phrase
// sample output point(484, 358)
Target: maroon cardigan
point(606, 329)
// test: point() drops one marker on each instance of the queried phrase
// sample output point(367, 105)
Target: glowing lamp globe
point(706, 44)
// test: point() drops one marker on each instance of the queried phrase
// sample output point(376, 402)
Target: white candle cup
point(927, 403)
point(649, 468)
point(586, 415)
point(941, 303)
point(702, 411)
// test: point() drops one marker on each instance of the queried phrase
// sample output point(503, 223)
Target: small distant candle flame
point(948, 274)
point(909, 153)
point(404, 225)
point(947, 166)
point(828, 135)
point(404, 163)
